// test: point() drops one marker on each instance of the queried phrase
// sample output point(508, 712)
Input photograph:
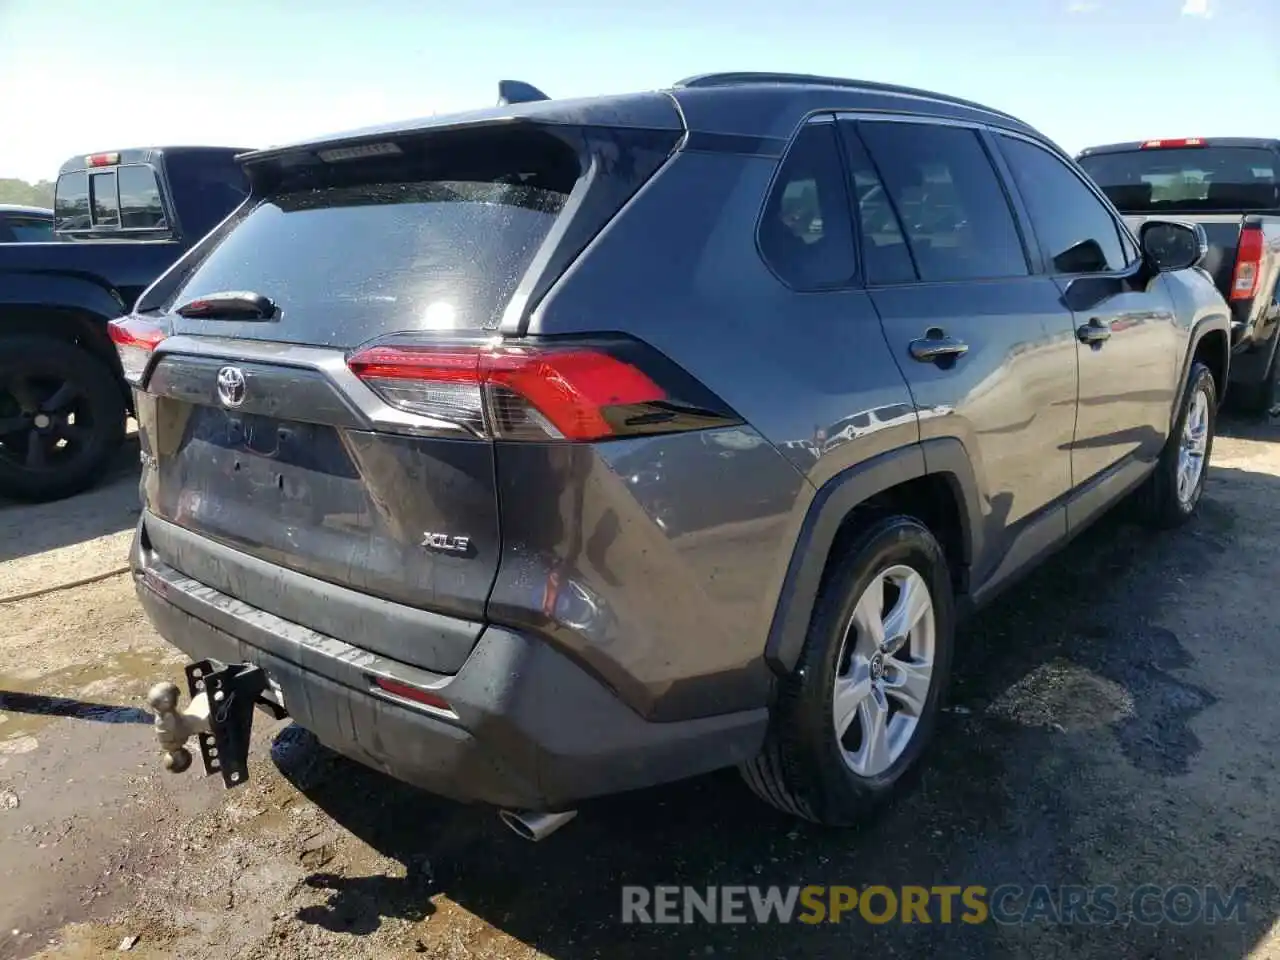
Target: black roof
point(1263, 142)
point(712, 80)
point(766, 106)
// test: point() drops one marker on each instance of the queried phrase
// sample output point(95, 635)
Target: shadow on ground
point(112, 505)
point(1063, 761)
point(45, 706)
point(1241, 427)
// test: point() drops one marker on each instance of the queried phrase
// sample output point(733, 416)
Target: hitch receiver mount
point(220, 716)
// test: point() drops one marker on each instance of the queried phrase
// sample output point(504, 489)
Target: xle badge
point(445, 543)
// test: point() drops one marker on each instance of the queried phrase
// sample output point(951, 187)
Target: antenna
point(517, 91)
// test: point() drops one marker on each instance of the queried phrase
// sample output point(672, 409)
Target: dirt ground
point(1113, 721)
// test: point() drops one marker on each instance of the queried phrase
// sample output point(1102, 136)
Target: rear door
point(985, 343)
point(1130, 346)
point(362, 508)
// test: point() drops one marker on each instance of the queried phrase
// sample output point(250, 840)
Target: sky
point(78, 76)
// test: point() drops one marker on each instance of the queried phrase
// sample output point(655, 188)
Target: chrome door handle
point(1094, 332)
point(933, 349)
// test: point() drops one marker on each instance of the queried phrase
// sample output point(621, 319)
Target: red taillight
point(102, 159)
point(1169, 144)
point(135, 339)
point(408, 692)
point(573, 389)
point(527, 392)
point(1244, 281)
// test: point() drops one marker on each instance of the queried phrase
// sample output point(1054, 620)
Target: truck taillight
point(102, 159)
point(1244, 281)
point(135, 339)
point(586, 391)
point(1170, 144)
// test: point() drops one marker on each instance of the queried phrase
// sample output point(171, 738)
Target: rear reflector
point(1169, 144)
point(135, 339)
point(407, 692)
point(1244, 282)
point(539, 391)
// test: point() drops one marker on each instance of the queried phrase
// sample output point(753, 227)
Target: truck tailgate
point(1223, 233)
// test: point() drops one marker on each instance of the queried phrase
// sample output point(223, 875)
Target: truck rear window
point(1208, 179)
point(71, 202)
point(106, 203)
point(140, 204)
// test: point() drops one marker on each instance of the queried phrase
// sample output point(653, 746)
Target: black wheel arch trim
point(1220, 323)
point(831, 506)
point(63, 292)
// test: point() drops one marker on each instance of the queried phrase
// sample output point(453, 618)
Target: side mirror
point(1170, 245)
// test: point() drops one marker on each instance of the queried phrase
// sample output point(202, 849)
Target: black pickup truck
point(121, 219)
point(1231, 188)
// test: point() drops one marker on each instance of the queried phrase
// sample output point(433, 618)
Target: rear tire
point(62, 418)
point(1169, 497)
point(854, 717)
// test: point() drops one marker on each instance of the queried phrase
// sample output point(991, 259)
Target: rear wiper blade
point(231, 304)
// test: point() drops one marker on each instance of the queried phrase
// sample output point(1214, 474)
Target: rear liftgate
point(220, 716)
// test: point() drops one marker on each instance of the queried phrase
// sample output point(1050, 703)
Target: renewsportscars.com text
point(945, 904)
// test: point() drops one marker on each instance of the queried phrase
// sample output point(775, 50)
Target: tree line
point(28, 194)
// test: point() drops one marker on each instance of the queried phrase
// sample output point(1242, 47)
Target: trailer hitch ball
point(173, 727)
point(219, 716)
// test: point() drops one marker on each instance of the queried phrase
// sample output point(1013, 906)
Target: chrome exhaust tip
point(535, 826)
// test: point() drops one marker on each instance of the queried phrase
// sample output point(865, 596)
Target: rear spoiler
point(518, 103)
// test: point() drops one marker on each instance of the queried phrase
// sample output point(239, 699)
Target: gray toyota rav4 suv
point(570, 447)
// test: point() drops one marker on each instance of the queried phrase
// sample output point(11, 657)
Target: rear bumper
point(528, 728)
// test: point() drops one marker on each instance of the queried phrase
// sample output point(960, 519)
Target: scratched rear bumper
point(528, 728)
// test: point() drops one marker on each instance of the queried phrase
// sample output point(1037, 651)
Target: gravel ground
point(1112, 722)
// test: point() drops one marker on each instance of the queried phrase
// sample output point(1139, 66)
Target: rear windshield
point(351, 251)
point(1225, 179)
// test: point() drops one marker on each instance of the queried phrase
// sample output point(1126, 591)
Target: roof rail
point(517, 91)
point(810, 80)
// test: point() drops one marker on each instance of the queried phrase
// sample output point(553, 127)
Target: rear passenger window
point(1075, 230)
point(106, 206)
point(885, 256)
point(806, 235)
point(952, 207)
point(140, 206)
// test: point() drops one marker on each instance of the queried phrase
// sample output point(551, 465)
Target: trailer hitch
point(220, 716)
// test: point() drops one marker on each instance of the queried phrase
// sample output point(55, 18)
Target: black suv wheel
point(62, 417)
point(856, 714)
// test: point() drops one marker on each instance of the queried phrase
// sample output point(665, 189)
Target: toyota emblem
point(231, 386)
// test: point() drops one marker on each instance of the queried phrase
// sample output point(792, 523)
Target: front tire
point(1169, 497)
point(854, 717)
point(62, 418)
